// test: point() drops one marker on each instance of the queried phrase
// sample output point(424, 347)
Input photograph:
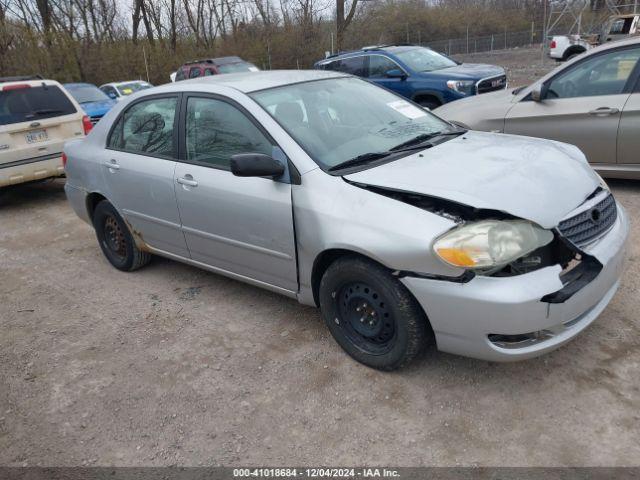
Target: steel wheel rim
point(114, 237)
point(365, 318)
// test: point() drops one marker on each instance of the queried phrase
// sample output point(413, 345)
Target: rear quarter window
point(33, 103)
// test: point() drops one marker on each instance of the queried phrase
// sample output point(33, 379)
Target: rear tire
point(115, 240)
point(371, 315)
point(573, 55)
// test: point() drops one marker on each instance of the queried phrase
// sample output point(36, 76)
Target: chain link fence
point(488, 43)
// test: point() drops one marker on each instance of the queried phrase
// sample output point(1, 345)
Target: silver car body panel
point(276, 243)
point(605, 138)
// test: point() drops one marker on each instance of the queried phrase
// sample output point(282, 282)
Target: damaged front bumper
point(511, 318)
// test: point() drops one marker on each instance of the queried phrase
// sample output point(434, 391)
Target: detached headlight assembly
point(462, 86)
point(490, 243)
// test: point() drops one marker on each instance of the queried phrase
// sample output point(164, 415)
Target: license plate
point(36, 136)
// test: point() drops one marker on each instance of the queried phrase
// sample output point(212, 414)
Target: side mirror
point(255, 165)
point(112, 95)
point(537, 94)
point(395, 73)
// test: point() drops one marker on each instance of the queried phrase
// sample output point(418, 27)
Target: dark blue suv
point(418, 73)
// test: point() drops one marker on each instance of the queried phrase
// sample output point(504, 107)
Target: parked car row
point(404, 228)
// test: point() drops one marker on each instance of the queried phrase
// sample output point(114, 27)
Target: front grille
point(95, 119)
point(492, 84)
point(591, 223)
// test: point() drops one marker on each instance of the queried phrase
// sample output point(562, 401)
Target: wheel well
point(427, 96)
point(573, 50)
point(321, 264)
point(92, 201)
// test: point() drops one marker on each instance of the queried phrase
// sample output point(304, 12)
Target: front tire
point(115, 240)
point(371, 315)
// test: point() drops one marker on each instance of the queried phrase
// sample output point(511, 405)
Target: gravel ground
point(172, 365)
point(523, 65)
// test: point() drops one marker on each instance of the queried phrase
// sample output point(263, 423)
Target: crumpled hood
point(534, 179)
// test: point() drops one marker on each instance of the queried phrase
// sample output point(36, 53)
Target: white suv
point(36, 117)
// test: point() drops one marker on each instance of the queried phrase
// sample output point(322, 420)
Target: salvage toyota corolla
point(401, 227)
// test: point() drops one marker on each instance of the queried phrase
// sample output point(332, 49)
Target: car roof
point(616, 44)
point(217, 61)
point(253, 81)
point(115, 84)
point(78, 84)
point(31, 83)
point(371, 49)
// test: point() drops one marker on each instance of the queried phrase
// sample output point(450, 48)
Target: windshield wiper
point(360, 160)
point(418, 141)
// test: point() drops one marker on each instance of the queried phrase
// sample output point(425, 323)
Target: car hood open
point(534, 179)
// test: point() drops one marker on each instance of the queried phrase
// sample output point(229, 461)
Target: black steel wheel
point(373, 317)
point(115, 240)
point(366, 318)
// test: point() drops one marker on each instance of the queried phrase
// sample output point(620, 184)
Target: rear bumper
point(77, 197)
point(464, 315)
point(30, 170)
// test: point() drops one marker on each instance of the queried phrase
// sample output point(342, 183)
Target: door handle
point(187, 180)
point(112, 164)
point(602, 111)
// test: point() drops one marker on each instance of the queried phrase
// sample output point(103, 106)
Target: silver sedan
point(592, 102)
point(404, 229)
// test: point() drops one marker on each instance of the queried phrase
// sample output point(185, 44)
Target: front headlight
point(603, 184)
point(490, 243)
point(462, 86)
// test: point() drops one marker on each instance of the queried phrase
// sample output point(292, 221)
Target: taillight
point(15, 86)
point(86, 124)
point(64, 160)
point(552, 44)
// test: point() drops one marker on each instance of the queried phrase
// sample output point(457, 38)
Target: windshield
point(132, 87)
point(237, 67)
point(339, 119)
point(86, 93)
point(424, 59)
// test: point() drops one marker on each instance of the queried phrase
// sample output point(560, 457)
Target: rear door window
point(194, 72)
point(33, 103)
point(146, 128)
point(352, 65)
point(208, 72)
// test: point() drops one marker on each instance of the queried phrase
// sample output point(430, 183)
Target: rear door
point(35, 121)
point(239, 225)
point(583, 104)
point(138, 166)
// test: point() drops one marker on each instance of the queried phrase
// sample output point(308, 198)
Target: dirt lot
point(173, 365)
point(523, 65)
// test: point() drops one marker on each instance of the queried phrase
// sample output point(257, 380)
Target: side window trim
point(633, 80)
point(182, 131)
point(179, 101)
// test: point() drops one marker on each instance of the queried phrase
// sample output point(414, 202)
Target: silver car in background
point(592, 102)
point(401, 227)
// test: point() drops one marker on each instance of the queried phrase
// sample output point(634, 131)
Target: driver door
point(582, 105)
